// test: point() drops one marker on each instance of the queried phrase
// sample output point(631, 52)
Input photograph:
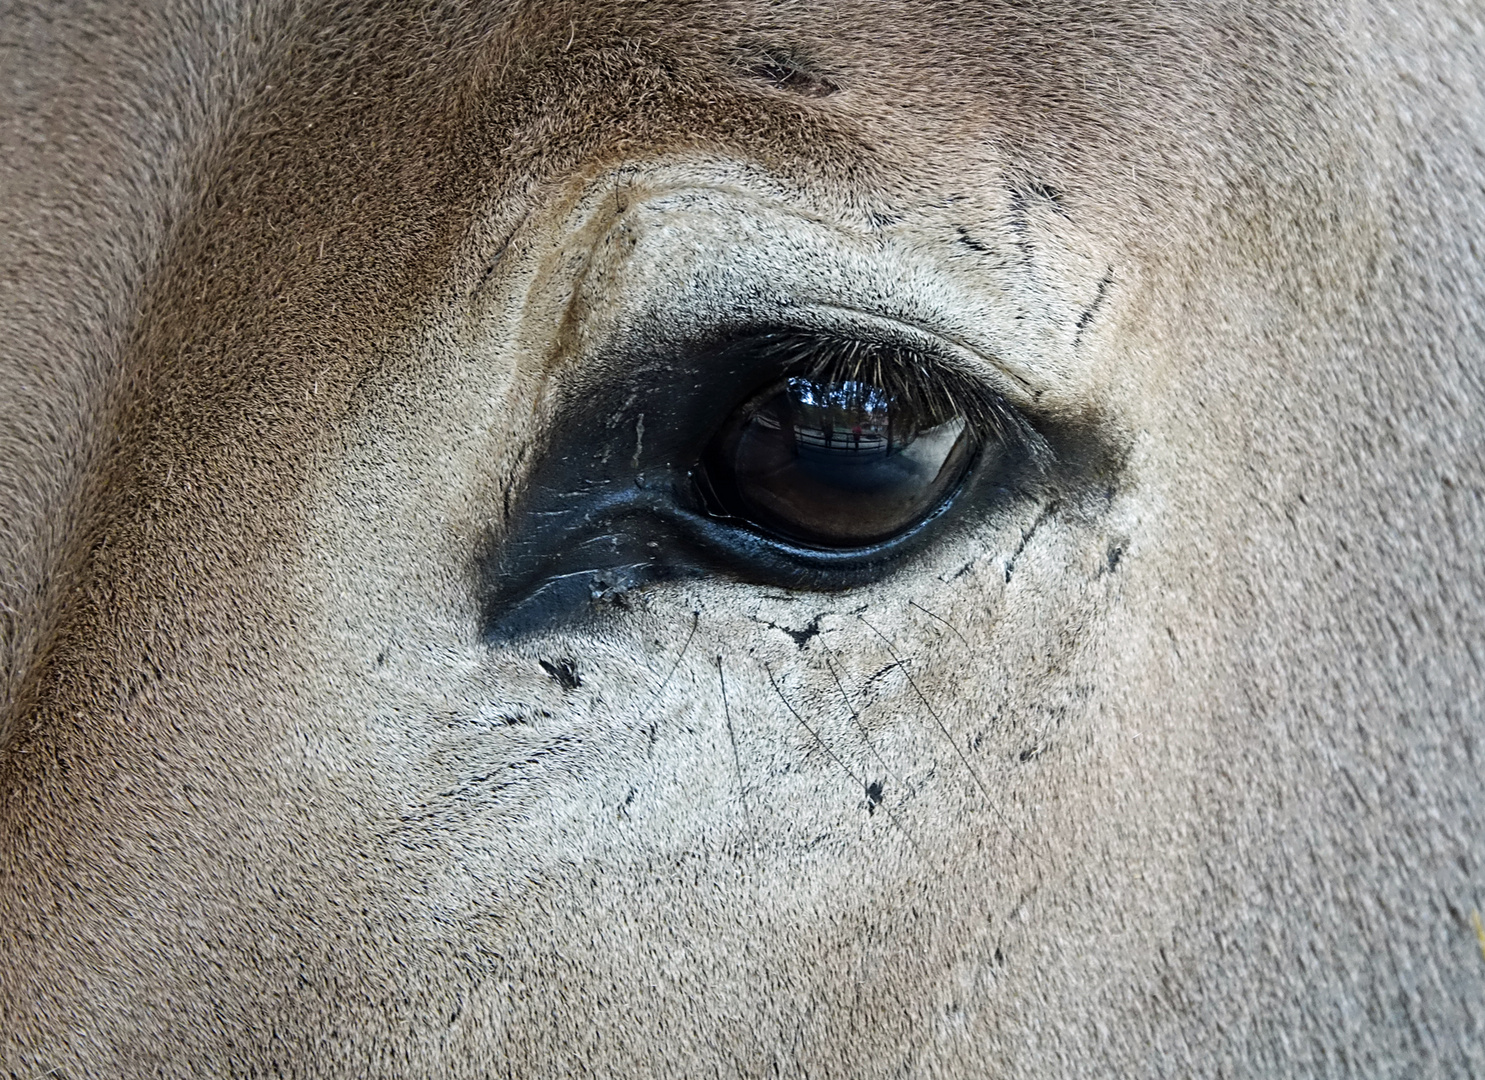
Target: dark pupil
point(836, 464)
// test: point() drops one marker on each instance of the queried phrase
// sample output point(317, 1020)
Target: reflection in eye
point(837, 463)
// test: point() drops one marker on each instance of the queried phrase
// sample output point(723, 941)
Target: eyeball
point(836, 464)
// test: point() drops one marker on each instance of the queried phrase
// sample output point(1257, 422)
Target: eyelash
point(911, 376)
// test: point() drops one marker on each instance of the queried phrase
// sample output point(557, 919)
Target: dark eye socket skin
point(787, 457)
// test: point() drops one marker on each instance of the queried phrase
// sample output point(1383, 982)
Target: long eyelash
point(915, 379)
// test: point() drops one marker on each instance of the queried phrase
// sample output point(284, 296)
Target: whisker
point(979, 782)
point(695, 621)
point(742, 789)
point(941, 619)
point(861, 784)
point(856, 716)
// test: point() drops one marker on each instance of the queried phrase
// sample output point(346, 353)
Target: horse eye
point(835, 465)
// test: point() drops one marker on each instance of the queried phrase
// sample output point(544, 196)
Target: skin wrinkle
point(270, 804)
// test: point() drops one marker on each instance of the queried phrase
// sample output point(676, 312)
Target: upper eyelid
point(998, 352)
point(1004, 401)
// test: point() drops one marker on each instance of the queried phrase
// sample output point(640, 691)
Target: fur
point(1177, 772)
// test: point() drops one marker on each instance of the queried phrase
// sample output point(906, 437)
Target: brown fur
point(286, 330)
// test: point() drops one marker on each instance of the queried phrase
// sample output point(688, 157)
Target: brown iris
point(836, 464)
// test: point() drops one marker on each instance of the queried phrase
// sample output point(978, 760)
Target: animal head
point(826, 540)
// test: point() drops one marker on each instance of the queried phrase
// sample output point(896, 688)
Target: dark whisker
point(856, 717)
point(695, 620)
point(742, 789)
point(860, 784)
point(941, 619)
point(964, 759)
